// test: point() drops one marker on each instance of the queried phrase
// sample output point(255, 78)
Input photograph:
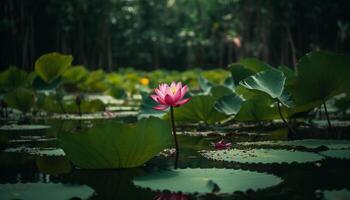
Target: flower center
point(173, 90)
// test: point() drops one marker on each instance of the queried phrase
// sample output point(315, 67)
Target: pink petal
point(155, 98)
point(160, 107)
point(173, 84)
point(179, 86)
point(169, 100)
point(182, 102)
point(159, 93)
point(183, 91)
point(177, 96)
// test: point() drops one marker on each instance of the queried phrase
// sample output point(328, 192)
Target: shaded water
point(54, 176)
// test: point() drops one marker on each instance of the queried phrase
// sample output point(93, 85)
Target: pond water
point(34, 167)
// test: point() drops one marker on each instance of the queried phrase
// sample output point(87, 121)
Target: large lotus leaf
point(321, 75)
point(336, 194)
point(337, 153)
point(95, 82)
point(147, 108)
point(264, 156)
point(258, 108)
point(117, 92)
point(75, 74)
point(289, 73)
point(202, 181)
point(116, 145)
point(21, 99)
point(270, 82)
point(13, 78)
point(52, 191)
point(52, 65)
point(229, 104)
point(205, 85)
point(220, 91)
point(246, 67)
point(200, 108)
point(307, 143)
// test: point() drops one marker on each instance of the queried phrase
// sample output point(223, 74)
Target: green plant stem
point(79, 110)
point(327, 116)
point(284, 120)
point(174, 134)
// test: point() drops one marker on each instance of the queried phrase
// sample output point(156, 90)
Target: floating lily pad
point(52, 191)
point(337, 153)
point(116, 145)
point(36, 151)
point(307, 143)
point(264, 156)
point(336, 194)
point(203, 181)
point(23, 127)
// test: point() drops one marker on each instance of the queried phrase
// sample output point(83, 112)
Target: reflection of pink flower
point(172, 95)
point(170, 196)
point(222, 144)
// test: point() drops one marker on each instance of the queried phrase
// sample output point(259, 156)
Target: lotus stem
point(79, 110)
point(327, 116)
point(174, 134)
point(283, 119)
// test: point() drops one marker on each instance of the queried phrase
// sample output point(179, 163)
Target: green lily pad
point(336, 194)
point(21, 99)
point(321, 75)
point(247, 67)
point(75, 74)
point(199, 108)
point(202, 181)
point(24, 127)
point(263, 156)
point(52, 191)
point(307, 143)
point(270, 82)
point(337, 153)
point(229, 104)
point(258, 108)
point(115, 145)
point(205, 85)
point(13, 78)
point(52, 65)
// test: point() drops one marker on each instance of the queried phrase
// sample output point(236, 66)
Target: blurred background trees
point(171, 34)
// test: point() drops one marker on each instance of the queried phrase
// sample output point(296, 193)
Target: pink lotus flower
point(222, 144)
point(172, 95)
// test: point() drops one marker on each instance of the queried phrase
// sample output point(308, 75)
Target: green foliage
point(204, 181)
point(270, 82)
point(75, 74)
point(321, 75)
point(21, 99)
point(13, 78)
point(39, 84)
point(229, 104)
point(200, 108)
point(116, 145)
point(246, 67)
point(117, 92)
point(52, 65)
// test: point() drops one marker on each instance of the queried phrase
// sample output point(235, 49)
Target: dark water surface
point(54, 177)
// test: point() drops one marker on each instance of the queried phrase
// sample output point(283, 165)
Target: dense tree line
point(173, 34)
